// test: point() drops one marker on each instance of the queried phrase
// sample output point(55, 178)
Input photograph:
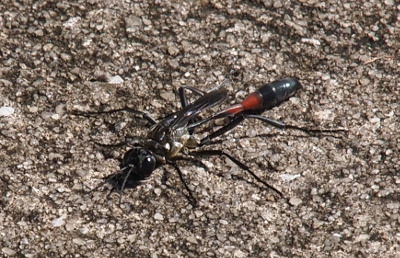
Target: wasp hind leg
point(239, 164)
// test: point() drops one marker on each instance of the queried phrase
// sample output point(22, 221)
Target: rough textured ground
point(341, 194)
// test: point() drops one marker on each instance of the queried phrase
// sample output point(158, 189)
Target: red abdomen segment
point(253, 101)
point(272, 94)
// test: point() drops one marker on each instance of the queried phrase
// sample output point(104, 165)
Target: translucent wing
point(206, 101)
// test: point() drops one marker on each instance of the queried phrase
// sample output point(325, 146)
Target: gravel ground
point(341, 191)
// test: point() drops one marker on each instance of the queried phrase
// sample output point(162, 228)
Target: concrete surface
point(341, 191)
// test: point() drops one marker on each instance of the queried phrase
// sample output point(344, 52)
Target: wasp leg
point(238, 163)
point(197, 121)
point(183, 97)
point(117, 145)
point(139, 114)
point(281, 125)
point(110, 178)
point(232, 124)
point(236, 120)
point(190, 198)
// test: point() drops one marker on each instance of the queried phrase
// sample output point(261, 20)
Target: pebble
point(158, 216)
point(116, 80)
point(295, 201)
point(78, 241)
point(6, 111)
point(58, 222)
point(168, 96)
point(173, 51)
point(239, 254)
point(192, 239)
point(8, 251)
point(288, 178)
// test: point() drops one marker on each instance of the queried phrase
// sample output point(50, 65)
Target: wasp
point(175, 137)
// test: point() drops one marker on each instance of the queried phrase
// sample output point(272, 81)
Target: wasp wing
point(206, 101)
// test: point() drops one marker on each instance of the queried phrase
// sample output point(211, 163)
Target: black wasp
point(174, 137)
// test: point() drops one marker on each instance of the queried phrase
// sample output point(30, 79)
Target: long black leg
point(108, 179)
point(130, 168)
point(190, 159)
point(232, 124)
point(117, 145)
point(282, 125)
point(131, 140)
point(190, 198)
point(238, 163)
point(183, 97)
point(139, 114)
point(197, 121)
point(236, 120)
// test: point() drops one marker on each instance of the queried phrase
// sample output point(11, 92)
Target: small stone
point(157, 191)
point(58, 222)
point(158, 216)
point(239, 254)
point(192, 239)
point(168, 96)
point(362, 237)
point(295, 201)
point(365, 81)
point(186, 45)
point(39, 33)
point(389, 2)
point(173, 63)
point(6, 111)
point(45, 115)
point(375, 120)
point(173, 51)
point(289, 177)
point(198, 213)
point(8, 251)
point(317, 223)
point(60, 109)
point(69, 226)
point(274, 240)
point(146, 22)
point(82, 172)
point(48, 47)
point(314, 42)
point(6, 83)
point(78, 241)
point(116, 80)
point(84, 230)
point(223, 222)
point(325, 77)
point(72, 22)
point(65, 57)
point(325, 115)
point(132, 21)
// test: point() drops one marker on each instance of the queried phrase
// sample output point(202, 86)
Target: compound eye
point(148, 164)
point(130, 158)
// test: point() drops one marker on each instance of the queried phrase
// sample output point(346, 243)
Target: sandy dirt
point(341, 191)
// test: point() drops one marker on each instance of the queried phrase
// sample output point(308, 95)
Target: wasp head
point(139, 162)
